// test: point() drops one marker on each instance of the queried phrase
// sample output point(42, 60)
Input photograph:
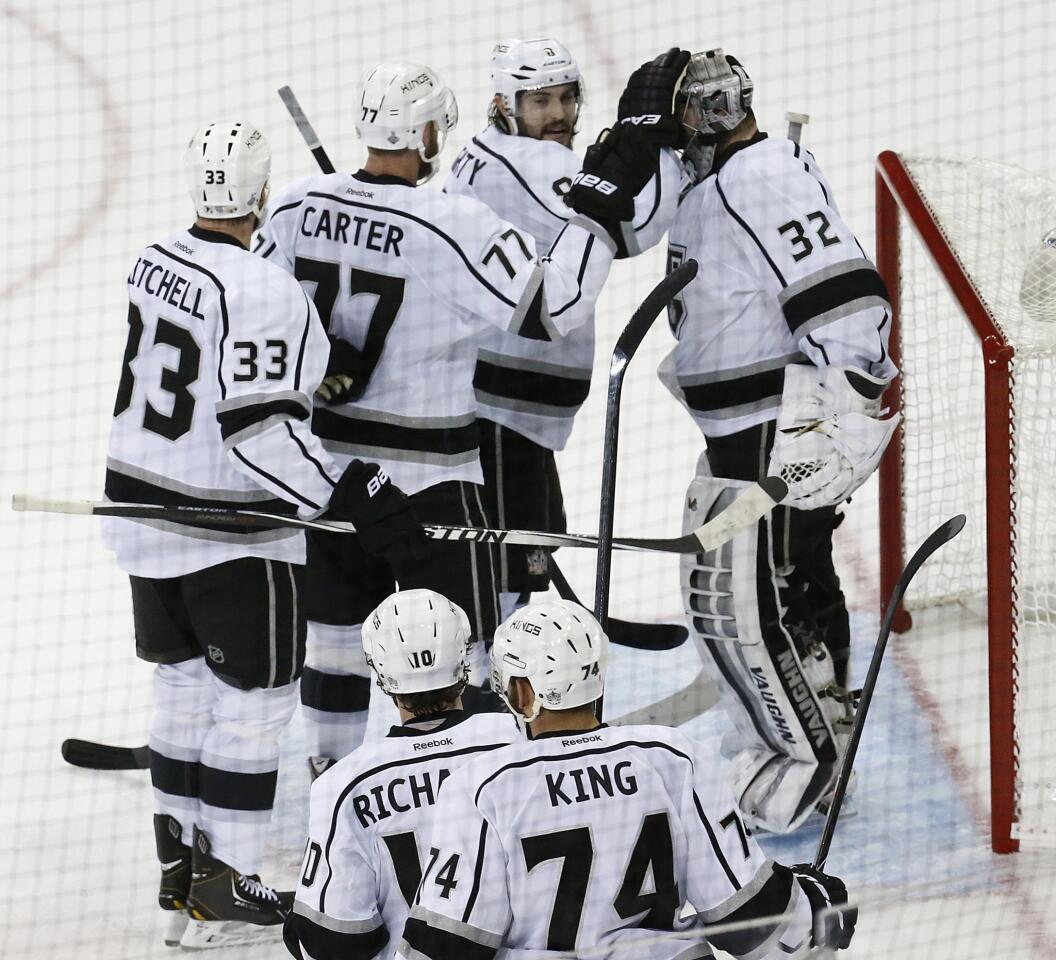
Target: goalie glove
point(615, 170)
point(834, 921)
point(648, 100)
point(829, 436)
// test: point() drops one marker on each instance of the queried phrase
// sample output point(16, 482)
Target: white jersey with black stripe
point(414, 278)
point(782, 280)
point(531, 387)
point(587, 840)
point(534, 388)
point(371, 816)
point(213, 409)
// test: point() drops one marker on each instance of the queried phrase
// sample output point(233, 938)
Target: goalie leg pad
point(239, 770)
point(335, 690)
point(184, 695)
point(732, 596)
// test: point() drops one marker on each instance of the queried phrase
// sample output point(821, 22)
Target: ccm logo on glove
point(595, 183)
point(375, 483)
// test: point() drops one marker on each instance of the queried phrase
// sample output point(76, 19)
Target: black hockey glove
point(382, 513)
point(345, 377)
point(648, 100)
point(833, 921)
point(615, 169)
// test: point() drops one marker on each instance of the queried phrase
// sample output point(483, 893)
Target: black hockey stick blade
point(942, 534)
point(103, 756)
point(626, 633)
point(306, 130)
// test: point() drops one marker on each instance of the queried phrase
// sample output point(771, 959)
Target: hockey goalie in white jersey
point(372, 813)
point(592, 841)
point(781, 360)
point(408, 281)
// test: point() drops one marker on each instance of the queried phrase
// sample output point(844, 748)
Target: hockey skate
point(228, 908)
point(175, 858)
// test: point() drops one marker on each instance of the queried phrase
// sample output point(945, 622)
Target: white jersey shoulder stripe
point(374, 771)
point(747, 229)
point(408, 216)
point(589, 751)
point(517, 176)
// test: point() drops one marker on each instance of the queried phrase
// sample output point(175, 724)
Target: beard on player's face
point(549, 113)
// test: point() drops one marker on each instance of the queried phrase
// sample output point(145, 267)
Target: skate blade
point(211, 934)
point(175, 923)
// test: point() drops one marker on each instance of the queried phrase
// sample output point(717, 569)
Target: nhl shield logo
point(216, 654)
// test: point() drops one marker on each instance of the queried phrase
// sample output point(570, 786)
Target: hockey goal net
point(962, 247)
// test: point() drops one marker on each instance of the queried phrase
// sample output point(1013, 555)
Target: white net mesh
point(996, 219)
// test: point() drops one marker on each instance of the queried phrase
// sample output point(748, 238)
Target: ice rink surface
point(99, 100)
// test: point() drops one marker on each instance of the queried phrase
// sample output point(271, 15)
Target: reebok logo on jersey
point(355, 192)
point(590, 783)
point(579, 740)
point(429, 744)
point(183, 247)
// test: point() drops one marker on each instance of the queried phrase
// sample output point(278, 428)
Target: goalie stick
point(942, 534)
point(103, 756)
point(754, 503)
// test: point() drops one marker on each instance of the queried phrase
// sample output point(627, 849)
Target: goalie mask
point(228, 164)
point(397, 102)
point(522, 66)
point(716, 95)
point(416, 641)
point(559, 648)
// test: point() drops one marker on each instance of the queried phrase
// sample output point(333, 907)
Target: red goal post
point(958, 245)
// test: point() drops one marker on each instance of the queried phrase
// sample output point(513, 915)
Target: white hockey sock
point(335, 690)
point(184, 694)
point(239, 767)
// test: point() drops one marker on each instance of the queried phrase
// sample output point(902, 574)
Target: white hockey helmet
point(228, 165)
point(417, 640)
point(720, 91)
point(558, 647)
point(397, 101)
point(518, 66)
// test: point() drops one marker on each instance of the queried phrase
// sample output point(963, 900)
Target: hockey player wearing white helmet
point(529, 391)
point(372, 813)
point(590, 840)
point(408, 282)
point(781, 359)
point(223, 356)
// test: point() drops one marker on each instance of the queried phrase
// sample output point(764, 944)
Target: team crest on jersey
point(538, 562)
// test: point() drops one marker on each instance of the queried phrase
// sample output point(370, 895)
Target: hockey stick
point(743, 512)
point(680, 707)
point(942, 534)
point(306, 130)
point(626, 346)
point(103, 756)
point(626, 633)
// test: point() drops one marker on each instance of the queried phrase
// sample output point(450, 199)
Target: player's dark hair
point(430, 701)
